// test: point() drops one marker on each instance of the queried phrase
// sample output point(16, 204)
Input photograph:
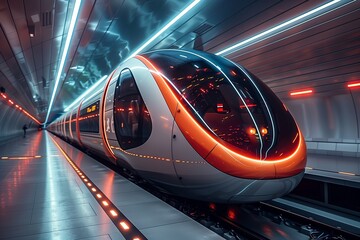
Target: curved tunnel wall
point(12, 122)
point(329, 122)
point(323, 56)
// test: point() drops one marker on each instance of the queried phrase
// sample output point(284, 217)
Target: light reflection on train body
point(193, 124)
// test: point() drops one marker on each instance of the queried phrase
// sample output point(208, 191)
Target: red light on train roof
point(301, 92)
point(353, 85)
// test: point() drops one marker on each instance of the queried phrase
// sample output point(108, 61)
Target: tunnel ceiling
point(107, 31)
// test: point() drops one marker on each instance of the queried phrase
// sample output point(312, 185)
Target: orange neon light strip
point(221, 155)
point(122, 223)
point(344, 173)
point(302, 92)
point(77, 123)
point(102, 119)
point(353, 85)
point(17, 106)
point(347, 173)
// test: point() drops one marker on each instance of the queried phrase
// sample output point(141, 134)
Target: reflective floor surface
point(42, 197)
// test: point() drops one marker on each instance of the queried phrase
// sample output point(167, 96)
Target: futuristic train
point(193, 124)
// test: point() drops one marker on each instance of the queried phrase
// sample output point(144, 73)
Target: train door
point(106, 119)
point(69, 124)
point(142, 125)
point(132, 116)
point(190, 166)
point(64, 126)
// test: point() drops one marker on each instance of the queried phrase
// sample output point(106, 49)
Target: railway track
point(260, 220)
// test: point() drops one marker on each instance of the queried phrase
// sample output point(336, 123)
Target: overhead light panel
point(15, 105)
point(64, 54)
point(303, 18)
point(301, 92)
point(172, 22)
point(353, 85)
point(169, 24)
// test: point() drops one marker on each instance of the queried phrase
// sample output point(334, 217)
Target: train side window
point(73, 122)
point(131, 118)
point(89, 118)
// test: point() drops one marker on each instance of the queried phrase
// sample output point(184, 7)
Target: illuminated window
point(227, 100)
point(73, 122)
point(89, 118)
point(131, 117)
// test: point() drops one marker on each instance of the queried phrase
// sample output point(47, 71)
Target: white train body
point(181, 138)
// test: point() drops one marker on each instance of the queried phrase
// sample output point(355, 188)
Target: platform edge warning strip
point(122, 223)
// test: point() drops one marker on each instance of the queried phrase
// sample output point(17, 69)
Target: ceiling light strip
point(91, 89)
point(353, 85)
point(182, 13)
point(18, 107)
point(64, 54)
point(282, 26)
point(167, 26)
point(302, 92)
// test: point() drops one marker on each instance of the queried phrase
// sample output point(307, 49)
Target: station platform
point(337, 167)
point(334, 170)
point(51, 190)
point(329, 191)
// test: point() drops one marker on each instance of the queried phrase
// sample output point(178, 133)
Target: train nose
point(261, 190)
point(230, 117)
point(228, 159)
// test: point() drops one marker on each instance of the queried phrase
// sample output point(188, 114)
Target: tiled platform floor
point(41, 197)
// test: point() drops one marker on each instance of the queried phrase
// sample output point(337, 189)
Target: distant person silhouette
point(24, 128)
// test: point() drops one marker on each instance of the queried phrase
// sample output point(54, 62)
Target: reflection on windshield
point(223, 96)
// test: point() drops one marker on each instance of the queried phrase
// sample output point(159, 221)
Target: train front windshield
point(230, 103)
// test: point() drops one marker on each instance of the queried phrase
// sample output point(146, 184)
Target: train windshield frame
point(229, 102)
point(132, 119)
